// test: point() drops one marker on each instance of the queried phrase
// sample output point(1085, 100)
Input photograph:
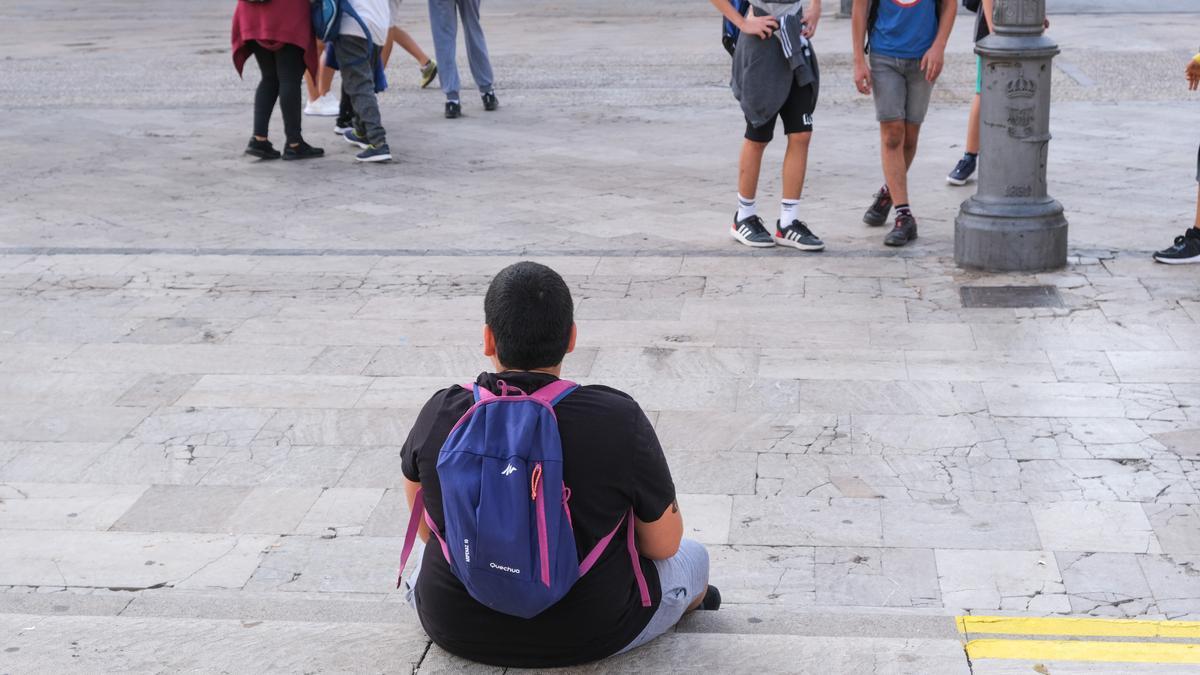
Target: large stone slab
point(1004, 526)
point(1009, 581)
point(182, 508)
point(1111, 527)
point(876, 577)
point(806, 521)
point(1106, 584)
point(339, 565)
point(50, 506)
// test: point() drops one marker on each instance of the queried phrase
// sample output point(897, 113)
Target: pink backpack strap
point(554, 392)
point(410, 537)
point(631, 543)
point(480, 393)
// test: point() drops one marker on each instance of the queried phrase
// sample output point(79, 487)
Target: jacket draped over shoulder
point(273, 24)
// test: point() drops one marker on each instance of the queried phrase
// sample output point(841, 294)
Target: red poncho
point(273, 24)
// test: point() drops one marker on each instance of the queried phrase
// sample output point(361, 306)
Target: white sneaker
point(326, 106)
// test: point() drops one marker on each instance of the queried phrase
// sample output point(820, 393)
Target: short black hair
point(529, 309)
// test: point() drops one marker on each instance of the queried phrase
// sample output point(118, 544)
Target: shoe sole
point(263, 156)
point(342, 131)
point(363, 146)
point(957, 182)
point(300, 157)
point(376, 158)
point(780, 241)
point(752, 244)
point(1178, 261)
point(426, 82)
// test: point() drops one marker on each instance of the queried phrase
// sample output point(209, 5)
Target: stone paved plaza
point(207, 364)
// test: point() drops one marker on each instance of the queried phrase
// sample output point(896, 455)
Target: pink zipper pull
point(533, 481)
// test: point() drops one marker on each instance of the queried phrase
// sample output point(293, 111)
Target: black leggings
point(282, 73)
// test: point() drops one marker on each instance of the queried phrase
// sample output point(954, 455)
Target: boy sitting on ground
point(634, 583)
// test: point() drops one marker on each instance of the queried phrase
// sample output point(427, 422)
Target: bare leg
point(324, 74)
point(699, 599)
point(1197, 225)
point(895, 163)
point(911, 133)
point(973, 127)
point(410, 45)
point(749, 166)
point(795, 164)
point(387, 47)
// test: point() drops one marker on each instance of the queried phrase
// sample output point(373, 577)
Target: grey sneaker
point(375, 153)
point(428, 72)
point(797, 235)
point(751, 232)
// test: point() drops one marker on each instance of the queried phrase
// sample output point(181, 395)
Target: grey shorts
point(900, 88)
point(683, 577)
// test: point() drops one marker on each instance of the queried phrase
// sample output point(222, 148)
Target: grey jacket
point(763, 70)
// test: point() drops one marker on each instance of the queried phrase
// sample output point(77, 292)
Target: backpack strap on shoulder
point(554, 392)
point(480, 393)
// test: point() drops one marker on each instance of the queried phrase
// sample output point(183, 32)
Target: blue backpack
point(327, 21)
point(730, 32)
point(508, 534)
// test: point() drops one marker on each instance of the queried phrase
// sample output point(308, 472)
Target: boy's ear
point(571, 342)
point(489, 341)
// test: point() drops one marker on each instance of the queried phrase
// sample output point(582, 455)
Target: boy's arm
point(410, 495)
point(988, 8)
point(758, 26)
point(858, 36)
point(1193, 73)
point(935, 58)
point(812, 16)
point(660, 539)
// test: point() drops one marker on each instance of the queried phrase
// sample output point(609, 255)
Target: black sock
point(972, 155)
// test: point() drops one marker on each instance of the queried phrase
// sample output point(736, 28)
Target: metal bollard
point(1012, 223)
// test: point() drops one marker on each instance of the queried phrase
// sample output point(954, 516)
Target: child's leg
point(973, 127)
point(387, 45)
point(289, 63)
point(749, 166)
point(895, 167)
point(443, 22)
point(477, 52)
point(410, 45)
point(266, 93)
point(684, 581)
point(358, 81)
point(795, 165)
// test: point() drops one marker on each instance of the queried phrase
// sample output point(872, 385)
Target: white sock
point(746, 208)
point(789, 211)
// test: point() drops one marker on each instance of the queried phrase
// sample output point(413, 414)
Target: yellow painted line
point(1019, 625)
point(1082, 650)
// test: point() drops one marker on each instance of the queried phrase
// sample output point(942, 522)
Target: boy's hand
point(1193, 74)
point(811, 18)
point(760, 26)
point(862, 76)
point(933, 61)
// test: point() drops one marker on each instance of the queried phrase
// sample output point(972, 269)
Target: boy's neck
point(556, 371)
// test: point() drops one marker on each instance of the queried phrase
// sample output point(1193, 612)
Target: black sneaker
point(877, 214)
point(354, 138)
point(712, 599)
point(261, 149)
point(453, 110)
point(490, 102)
point(1185, 250)
point(963, 170)
point(797, 235)
point(302, 151)
point(375, 153)
point(751, 232)
point(904, 231)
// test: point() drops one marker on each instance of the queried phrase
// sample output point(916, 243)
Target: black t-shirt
point(611, 461)
point(981, 27)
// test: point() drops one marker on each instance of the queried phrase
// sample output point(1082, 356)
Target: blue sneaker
point(375, 153)
point(353, 138)
point(963, 170)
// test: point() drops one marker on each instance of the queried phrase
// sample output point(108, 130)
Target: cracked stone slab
point(705, 431)
point(1077, 438)
point(1019, 581)
point(806, 521)
point(694, 472)
point(43, 506)
point(1106, 584)
point(876, 577)
point(341, 565)
point(1134, 401)
point(201, 426)
point(781, 575)
point(1004, 526)
point(153, 463)
point(691, 652)
point(1175, 582)
point(370, 426)
point(1176, 526)
point(340, 512)
point(182, 508)
point(1160, 481)
point(1111, 527)
point(83, 644)
point(128, 559)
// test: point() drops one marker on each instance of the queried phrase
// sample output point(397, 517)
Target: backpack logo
point(508, 470)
